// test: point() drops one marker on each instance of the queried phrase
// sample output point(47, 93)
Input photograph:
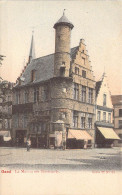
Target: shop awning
point(6, 135)
point(108, 133)
point(79, 135)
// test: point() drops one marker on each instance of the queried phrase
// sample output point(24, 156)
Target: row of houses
point(56, 101)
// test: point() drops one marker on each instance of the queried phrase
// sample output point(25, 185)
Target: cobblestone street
point(90, 159)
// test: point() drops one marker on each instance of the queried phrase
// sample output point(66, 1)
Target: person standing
point(28, 144)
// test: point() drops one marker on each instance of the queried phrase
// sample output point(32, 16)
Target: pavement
point(107, 159)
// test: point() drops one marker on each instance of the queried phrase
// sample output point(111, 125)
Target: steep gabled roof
point(43, 67)
point(98, 85)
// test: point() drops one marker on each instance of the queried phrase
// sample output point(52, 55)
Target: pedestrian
point(28, 144)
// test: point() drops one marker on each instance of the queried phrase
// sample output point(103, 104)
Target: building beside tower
point(105, 134)
point(54, 97)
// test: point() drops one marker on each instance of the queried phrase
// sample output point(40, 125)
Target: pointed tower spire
point(32, 50)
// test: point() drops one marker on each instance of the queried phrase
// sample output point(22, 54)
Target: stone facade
point(46, 108)
point(104, 115)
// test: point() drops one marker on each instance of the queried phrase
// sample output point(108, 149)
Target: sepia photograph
point(60, 97)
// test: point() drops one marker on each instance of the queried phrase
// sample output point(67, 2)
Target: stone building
point(117, 116)
point(5, 111)
point(54, 98)
point(105, 135)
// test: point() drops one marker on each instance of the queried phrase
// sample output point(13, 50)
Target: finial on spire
point(64, 11)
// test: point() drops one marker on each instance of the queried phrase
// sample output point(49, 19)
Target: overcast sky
point(99, 23)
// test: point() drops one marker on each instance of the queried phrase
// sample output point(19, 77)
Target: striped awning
point(108, 133)
point(79, 135)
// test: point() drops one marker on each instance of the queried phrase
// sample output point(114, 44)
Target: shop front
point(77, 139)
point(38, 133)
point(105, 137)
point(38, 141)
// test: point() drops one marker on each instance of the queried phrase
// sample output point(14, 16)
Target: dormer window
point(33, 75)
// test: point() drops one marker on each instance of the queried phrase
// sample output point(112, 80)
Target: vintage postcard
point(60, 97)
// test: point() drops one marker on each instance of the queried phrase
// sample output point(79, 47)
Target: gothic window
point(36, 94)
point(25, 121)
point(76, 91)
point(83, 93)
point(18, 97)
point(75, 119)
point(83, 119)
point(104, 99)
point(26, 96)
point(83, 73)
point(109, 117)
point(104, 116)
point(46, 93)
point(90, 120)
point(98, 115)
point(90, 95)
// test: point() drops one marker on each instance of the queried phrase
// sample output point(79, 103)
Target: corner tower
point(63, 29)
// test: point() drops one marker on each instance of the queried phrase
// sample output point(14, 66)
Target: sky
point(99, 23)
